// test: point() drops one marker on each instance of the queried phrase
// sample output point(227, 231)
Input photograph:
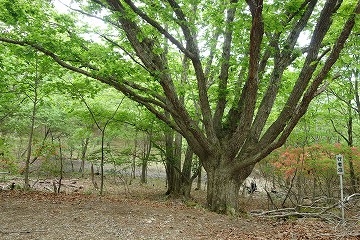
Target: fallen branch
point(319, 212)
point(305, 215)
point(352, 197)
point(340, 236)
point(21, 231)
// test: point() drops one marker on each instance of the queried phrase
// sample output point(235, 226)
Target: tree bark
point(350, 145)
point(133, 163)
point(102, 160)
point(85, 144)
point(223, 185)
point(92, 173)
point(144, 166)
point(145, 159)
point(199, 176)
point(222, 192)
point(187, 179)
point(32, 128)
point(173, 173)
point(61, 166)
point(71, 158)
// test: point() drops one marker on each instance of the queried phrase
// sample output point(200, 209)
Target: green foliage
point(112, 156)
point(7, 159)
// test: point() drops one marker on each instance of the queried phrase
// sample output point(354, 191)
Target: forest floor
point(142, 212)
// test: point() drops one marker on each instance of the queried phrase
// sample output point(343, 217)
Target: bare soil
point(140, 212)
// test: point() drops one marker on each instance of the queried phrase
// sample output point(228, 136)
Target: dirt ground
point(140, 212)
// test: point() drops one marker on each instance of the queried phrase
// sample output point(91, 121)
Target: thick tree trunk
point(223, 188)
point(173, 172)
point(187, 179)
point(173, 178)
point(222, 192)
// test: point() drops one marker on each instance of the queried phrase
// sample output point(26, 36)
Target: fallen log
point(285, 213)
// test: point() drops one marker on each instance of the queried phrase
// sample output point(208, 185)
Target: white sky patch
point(64, 6)
point(61, 5)
point(304, 39)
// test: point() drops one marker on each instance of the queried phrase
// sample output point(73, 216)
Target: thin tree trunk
point(102, 130)
point(349, 137)
point(350, 145)
point(199, 176)
point(31, 134)
point(71, 159)
point(93, 176)
point(287, 196)
point(145, 159)
point(144, 165)
point(314, 194)
point(83, 155)
point(102, 161)
point(61, 166)
point(133, 164)
point(29, 148)
point(356, 76)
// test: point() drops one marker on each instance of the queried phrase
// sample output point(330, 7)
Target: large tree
point(245, 62)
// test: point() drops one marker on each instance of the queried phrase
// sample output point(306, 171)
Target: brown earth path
point(40, 215)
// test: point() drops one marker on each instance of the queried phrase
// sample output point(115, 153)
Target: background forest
point(58, 124)
point(58, 121)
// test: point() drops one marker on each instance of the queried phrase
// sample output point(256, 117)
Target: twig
point(21, 231)
point(355, 234)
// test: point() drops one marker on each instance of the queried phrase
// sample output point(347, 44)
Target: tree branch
point(190, 44)
point(111, 82)
point(267, 142)
point(127, 52)
point(157, 65)
point(224, 71)
point(356, 91)
point(200, 76)
point(159, 28)
point(289, 109)
point(281, 61)
point(211, 57)
point(246, 105)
